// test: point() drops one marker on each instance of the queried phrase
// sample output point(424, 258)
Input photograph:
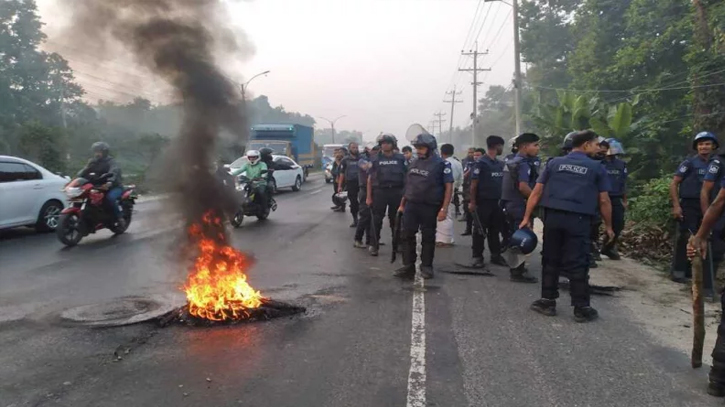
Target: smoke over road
point(178, 41)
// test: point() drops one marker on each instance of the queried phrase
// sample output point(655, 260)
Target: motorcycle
point(249, 205)
point(328, 173)
point(88, 212)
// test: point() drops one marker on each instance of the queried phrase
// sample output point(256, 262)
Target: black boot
point(499, 261)
point(585, 314)
point(407, 271)
point(521, 275)
point(466, 232)
point(610, 251)
point(476, 263)
point(354, 221)
point(545, 307)
point(426, 272)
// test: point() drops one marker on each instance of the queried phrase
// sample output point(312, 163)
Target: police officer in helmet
point(349, 179)
point(428, 193)
point(519, 178)
point(685, 190)
point(617, 172)
point(103, 164)
point(486, 183)
point(385, 185)
point(569, 189)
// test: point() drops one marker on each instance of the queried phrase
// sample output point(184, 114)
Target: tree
point(44, 145)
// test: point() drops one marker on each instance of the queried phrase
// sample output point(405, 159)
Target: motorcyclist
point(103, 164)
point(265, 154)
point(254, 169)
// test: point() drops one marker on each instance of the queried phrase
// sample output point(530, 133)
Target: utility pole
point(62, 104)
point(440, 121)
point(518, 84)
point(453, 102)
point(475, 84)
point(517, 68)
point(432, 126)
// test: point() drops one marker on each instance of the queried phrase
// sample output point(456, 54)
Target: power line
point(453, 102)
point(475, 84)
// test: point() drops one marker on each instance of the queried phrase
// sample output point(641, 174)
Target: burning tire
point(69, 230)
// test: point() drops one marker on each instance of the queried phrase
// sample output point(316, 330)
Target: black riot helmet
point(426, 140)
point(101, 147)
point(387, 138)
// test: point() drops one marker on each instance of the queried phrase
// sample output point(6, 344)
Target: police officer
point(569, 189)
point(685, 190)
point(364, 223)
point(617, 172)
point(339, 206)
point(349, 179)
point(519, 178)
point(467, 163)
point(594, 255)
point(486, 182)
point(428, 192)
point(385, 185)
point(698, 245)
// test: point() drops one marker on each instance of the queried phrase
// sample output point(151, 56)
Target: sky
point(384, 64)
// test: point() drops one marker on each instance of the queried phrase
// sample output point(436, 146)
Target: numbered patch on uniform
point(683, 169)
point(713, 169)
point(447, 171)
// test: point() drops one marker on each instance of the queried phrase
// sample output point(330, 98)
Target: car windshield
point(277, 147)
point(329, 151)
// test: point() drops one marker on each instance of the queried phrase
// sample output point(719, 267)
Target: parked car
point(31, 195)
point(289, 174)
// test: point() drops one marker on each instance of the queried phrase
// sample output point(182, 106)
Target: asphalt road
point(366, 340)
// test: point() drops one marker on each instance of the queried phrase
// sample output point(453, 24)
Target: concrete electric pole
point(475, 84)
point(440, 121)
point(453, 102)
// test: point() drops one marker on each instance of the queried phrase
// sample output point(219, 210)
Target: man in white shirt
point(444, 230)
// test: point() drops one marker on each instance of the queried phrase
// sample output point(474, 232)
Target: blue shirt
point(602, 178)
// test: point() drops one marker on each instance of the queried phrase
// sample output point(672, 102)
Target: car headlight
point(73, 192)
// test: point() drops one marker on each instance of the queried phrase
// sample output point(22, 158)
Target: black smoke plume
point(177, 40)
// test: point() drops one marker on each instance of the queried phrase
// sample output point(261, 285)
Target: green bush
point(652, 206)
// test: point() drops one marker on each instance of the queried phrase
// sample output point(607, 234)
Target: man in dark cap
point(519, 179)
point(486, 182)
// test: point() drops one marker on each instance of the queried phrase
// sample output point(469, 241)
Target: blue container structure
point(292, 140)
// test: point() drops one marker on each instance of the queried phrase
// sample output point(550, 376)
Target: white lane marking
point(317, 191)
point(416, 375)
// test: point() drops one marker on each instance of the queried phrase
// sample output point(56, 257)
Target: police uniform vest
point(616, 171)
point(425, 181)
point(389, 171)
point(510, 186)
point(692, 183)
point(572, 184)
point(490, 178)
point(351, 168)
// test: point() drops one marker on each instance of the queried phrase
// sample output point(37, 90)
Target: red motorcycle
point(88, 211)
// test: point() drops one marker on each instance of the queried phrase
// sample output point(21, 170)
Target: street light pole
point(244, 86)
point(332, 125)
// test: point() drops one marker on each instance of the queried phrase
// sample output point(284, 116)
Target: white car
point(30, 195)
point(288, 174)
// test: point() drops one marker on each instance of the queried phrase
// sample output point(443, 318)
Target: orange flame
point(217, 287)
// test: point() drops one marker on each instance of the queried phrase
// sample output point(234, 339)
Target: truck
point(292, 140)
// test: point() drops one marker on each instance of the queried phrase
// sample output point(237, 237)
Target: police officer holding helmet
point(428, 192)
point(617, 172)
point(385, 185)
point(486, 182)
point(685, 191)
point(519, 178)
point(569, 189)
